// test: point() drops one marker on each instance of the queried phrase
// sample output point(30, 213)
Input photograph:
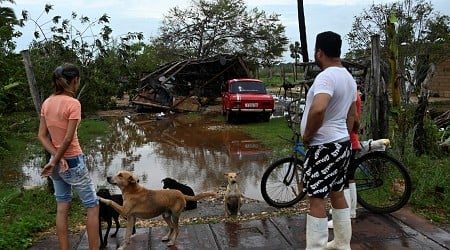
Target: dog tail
point(199, 196)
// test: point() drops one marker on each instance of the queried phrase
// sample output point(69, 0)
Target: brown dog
point(139, 202)
point(233, 196)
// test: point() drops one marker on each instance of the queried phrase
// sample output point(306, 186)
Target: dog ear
point(133, 180)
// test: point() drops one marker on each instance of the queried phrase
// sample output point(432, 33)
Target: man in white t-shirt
point(330, 110)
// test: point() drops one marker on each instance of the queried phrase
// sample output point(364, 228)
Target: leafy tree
point(210, 27)
point(415, 37)
point(132, 61)
point(12, 83)
point(79, 40)
point(143, 60)
point(8, 21)
point(419, 30)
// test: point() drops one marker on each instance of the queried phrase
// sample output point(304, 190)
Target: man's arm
point(315, 116)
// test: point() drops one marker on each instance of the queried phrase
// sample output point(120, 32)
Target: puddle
point(197, 153)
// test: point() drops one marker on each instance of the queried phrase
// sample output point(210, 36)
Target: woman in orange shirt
point(60, 116)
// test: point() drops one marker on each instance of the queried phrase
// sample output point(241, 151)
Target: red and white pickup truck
point(246, 97)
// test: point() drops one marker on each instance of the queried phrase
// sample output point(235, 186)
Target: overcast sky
point(146, 16)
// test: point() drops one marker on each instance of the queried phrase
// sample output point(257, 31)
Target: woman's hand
point(63, 166)
point(48, 168)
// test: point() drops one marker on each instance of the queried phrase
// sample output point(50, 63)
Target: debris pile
point(189, 82)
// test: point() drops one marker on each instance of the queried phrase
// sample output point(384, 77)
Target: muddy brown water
point(196, 152)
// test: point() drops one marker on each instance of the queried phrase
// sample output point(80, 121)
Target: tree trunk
point(295, 70)
point(419, 139)
point(379, 105)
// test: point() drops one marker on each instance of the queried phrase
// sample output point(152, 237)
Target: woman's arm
point(57, 154)
point(44, 137)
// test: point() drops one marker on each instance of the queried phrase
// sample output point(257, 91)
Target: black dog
point(108, 213)
point(170, 183)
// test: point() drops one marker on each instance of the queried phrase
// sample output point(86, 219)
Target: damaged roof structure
point(174, 83)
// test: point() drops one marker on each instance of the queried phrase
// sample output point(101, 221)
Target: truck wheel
point(230, 117)
point(266, 117)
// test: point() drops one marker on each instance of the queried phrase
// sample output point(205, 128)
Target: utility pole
point(302, 29)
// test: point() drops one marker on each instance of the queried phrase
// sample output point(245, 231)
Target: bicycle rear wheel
point(382, 182)
point(281, 184)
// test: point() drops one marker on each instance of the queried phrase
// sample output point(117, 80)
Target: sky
point(146, 16)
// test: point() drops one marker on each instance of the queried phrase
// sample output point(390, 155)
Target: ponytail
point(63, 77)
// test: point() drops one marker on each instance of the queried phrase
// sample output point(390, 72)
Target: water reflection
point(196, 153)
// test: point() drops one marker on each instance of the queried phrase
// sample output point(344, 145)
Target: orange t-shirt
point(57, 111)
point(353, 135)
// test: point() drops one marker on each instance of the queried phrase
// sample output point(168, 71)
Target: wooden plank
point(149, 104)
point(258, 234)
point(138, 241)
point(190, 237)
point(293, 228)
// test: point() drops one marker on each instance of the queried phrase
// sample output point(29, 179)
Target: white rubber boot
point(316, 233)
point(342, 230)
point(353, 199)
point(347, 195)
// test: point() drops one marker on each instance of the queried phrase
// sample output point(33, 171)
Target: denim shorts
point(76, 177)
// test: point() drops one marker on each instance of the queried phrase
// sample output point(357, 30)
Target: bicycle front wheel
point(281, 184)
point(382, 182)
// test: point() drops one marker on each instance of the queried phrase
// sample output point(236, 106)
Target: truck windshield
point(248, 87)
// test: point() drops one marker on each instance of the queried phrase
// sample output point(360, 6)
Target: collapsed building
point(185, 85)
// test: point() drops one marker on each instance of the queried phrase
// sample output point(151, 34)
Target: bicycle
point(281, 183)
point(383, 183)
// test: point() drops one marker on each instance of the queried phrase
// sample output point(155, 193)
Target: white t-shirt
point(340, 85)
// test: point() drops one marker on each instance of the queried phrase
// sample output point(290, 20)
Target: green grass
point(90, 130)
point(431, 186)
point(272, 134)
point(25, 213)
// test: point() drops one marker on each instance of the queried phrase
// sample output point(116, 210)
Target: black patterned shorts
point(325, 168)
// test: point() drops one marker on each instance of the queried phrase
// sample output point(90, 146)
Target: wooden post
point(379, 105)
point(37, 103)
point(31, 80)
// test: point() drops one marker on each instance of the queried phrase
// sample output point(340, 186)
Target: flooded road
point(195, 151)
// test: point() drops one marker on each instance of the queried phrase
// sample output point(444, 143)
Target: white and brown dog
point(139, 202)
point(233, 197)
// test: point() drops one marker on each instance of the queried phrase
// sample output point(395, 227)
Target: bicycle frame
point(298, 149)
